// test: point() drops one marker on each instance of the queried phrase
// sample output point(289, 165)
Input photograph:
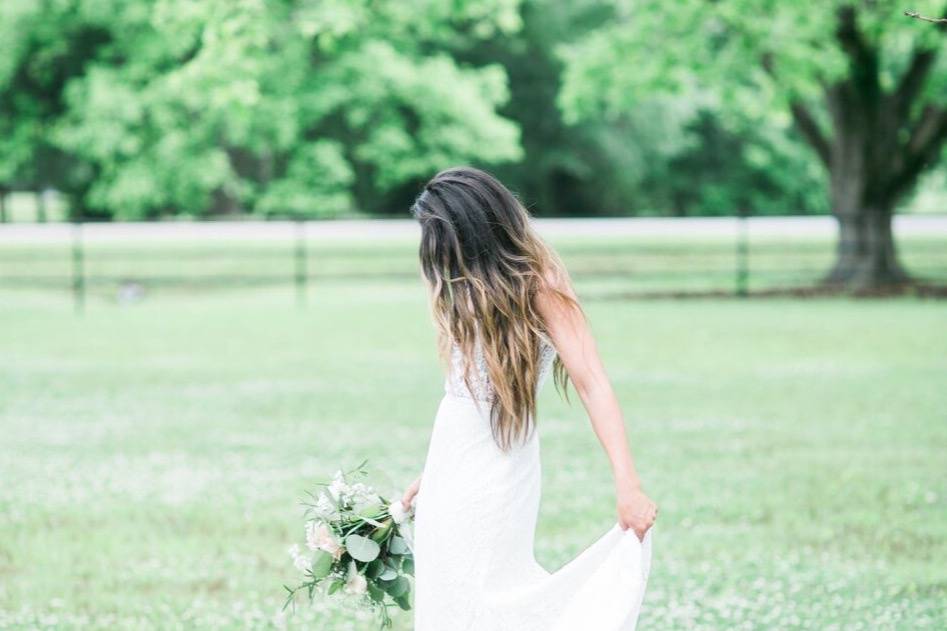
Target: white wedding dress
point(474, 527)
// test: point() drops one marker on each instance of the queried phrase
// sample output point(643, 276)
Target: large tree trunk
point(874, 152)
point(866, 257)
point(862, 199)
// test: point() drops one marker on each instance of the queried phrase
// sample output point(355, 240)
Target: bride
point(506, 316)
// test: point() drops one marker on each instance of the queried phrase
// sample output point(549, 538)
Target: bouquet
point(358, 546)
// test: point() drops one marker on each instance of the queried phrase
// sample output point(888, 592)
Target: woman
point(506, 315)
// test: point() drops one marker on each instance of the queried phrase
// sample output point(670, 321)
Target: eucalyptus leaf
point(374, 569)
point(397, 545)
point(404, 601)
point(321, 565)
point(388, 575)
point(376, 593)
point(362, 548)
point(396, 588)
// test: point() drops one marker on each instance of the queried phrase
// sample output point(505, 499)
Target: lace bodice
point(479, 378)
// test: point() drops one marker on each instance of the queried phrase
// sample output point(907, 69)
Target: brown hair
point(485, 265)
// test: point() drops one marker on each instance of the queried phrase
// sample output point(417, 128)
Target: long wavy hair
point(484, 265)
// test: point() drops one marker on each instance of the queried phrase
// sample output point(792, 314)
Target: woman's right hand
point(636, 511)
point(407, 500)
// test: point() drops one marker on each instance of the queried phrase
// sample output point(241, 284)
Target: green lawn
point(152, 455)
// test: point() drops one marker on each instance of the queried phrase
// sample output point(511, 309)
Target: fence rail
point(739, 262)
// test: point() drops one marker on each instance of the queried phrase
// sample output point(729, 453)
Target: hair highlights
point(484, 265)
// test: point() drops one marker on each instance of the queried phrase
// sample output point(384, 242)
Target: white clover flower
point(398, 512)
point(320, 537)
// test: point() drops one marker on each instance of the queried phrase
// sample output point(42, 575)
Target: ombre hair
point(485, 265)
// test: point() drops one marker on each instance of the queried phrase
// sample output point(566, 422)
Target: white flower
point(320, 537)
point(325, 507)
point(398, 512)
point(363, 494)
point(302, 563)
point(356, 584)
point(339, 488)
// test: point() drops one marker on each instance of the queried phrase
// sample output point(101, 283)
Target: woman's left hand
point(407, 500)
point(636, 511)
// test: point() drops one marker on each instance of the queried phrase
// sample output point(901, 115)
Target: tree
point(40, 53)
point(300, 107)
point(864, 86)
point(640, 161)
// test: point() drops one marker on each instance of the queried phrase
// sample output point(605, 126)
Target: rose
point(320, 537)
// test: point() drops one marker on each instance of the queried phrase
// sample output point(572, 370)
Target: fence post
point(41, 205)
point(78, 267)
point(743, 254)
point(301, 272)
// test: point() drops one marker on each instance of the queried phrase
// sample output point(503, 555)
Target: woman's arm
point(572, 337)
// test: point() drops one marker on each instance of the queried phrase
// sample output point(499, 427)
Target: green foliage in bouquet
point(358, 545)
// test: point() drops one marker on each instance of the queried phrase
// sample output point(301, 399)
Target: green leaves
point(404, 601)
point(275, 108)
point(382, 533)
point(731, 47)
point(362, 548)
point(396, 587)
point(375, 569)
point(398, 546)
point(376, 593)
point(321, 565)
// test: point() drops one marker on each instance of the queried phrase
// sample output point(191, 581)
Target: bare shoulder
point(556, 296)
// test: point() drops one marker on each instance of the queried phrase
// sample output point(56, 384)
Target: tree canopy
point(147, 108)
point(864, 86)
point(285, 107)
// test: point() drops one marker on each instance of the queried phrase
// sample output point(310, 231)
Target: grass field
point(152, 455)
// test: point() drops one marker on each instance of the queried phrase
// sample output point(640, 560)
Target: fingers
point(649, 519)
point(408, 498)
